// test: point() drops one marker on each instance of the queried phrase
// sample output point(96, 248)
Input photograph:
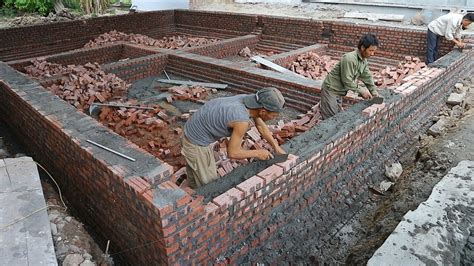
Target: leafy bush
point(72, 4)
point(41, 6)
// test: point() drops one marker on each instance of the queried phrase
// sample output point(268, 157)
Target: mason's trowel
point(376, 100)
point(277, 158)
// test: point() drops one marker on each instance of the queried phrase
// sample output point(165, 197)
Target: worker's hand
point(263, 154)
point(461, 45)
point(279, 150)
point(366, 94)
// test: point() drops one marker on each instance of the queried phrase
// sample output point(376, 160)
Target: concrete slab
point(436, 232)
point(28, 241)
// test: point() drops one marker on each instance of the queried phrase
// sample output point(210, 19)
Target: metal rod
point(166, 74)
point(112, 151)
point(123, 105)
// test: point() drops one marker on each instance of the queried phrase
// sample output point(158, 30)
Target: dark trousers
point(432, 41)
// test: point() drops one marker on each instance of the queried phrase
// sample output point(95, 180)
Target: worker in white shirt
point(450, 27)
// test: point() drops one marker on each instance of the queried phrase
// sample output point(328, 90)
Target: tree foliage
point(41, 6)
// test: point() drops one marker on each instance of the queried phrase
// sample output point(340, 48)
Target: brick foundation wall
point(299, 94)
point(216, 20)
point(32, 41)
point(101, 55)
point(396, 42)
point(134, 204)
point(226, 48)
point(138, 68)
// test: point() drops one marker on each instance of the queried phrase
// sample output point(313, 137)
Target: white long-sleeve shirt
point(448, 25)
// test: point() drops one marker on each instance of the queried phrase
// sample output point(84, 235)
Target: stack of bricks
point(173, 42)
point(391, 76)
point(312, 65)
point(247, 53)
point(152, 130)
point(285, 131)
point(79, 85)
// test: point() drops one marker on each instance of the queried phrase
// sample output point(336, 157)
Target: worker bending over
point(224, 117)
point(449, 26)
point(345, 75)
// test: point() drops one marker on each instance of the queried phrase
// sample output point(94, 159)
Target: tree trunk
point(58, 6)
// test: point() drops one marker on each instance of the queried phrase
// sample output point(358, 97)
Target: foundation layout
point(130, 82)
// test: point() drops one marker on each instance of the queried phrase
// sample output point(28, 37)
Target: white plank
point(274, 66)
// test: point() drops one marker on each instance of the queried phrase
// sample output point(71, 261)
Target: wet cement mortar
point(72, 243)
point(353, 241)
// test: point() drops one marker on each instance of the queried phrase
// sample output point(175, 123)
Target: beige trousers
point(329, 105)
point(200, 163)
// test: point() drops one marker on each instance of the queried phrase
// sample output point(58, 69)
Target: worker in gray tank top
point(224, 117)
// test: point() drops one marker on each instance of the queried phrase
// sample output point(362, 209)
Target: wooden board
point(274, 66)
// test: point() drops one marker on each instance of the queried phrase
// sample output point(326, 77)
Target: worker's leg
point(328, 105)
point(432, 40)
point(200, 164)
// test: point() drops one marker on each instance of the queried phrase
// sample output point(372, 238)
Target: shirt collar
point(359, 56)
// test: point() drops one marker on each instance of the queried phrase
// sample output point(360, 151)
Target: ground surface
point(72, 242)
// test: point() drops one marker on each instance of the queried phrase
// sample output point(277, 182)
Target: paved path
point(29, 241)
point(436, 232)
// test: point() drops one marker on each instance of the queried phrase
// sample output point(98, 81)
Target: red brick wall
point(138, 68)
point(216, 20)
point(101, 55)
point(396, 42)
point(226, 48)
point(32, 41)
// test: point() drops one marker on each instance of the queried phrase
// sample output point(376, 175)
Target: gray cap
point(269, 98)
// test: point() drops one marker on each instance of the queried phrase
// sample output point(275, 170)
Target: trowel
point(277, 158)
point(376, 100)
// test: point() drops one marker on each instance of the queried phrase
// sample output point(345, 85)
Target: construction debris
point(312, 65)
point(173, 42)
point(274, 66)
point(248, 53)
point(392, 76)
point(191, 93)
point(152, 130)
point(79, 85)
point(374, 16)
point(394, 171)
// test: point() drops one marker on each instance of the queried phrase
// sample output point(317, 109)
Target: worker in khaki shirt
point(228, 117)
point(345, 75)
point(449, 26)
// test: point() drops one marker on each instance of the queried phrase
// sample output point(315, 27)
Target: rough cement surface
point(23, 240)
point(436, 232)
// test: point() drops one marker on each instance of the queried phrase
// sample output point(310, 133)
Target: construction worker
point(449, 26)
point(224, 117)
point(345, 75)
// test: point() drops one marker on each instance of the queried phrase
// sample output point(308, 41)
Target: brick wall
point(226, 48)
point(138, 68)
point(299, 94)
point(396, 42)
point(107, 190)
point(285, 59)
point(101, 55)
point(32, 41)
point(134, 204)
point(216, 20)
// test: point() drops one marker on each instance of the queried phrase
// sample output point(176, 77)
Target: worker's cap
point(269, 98)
